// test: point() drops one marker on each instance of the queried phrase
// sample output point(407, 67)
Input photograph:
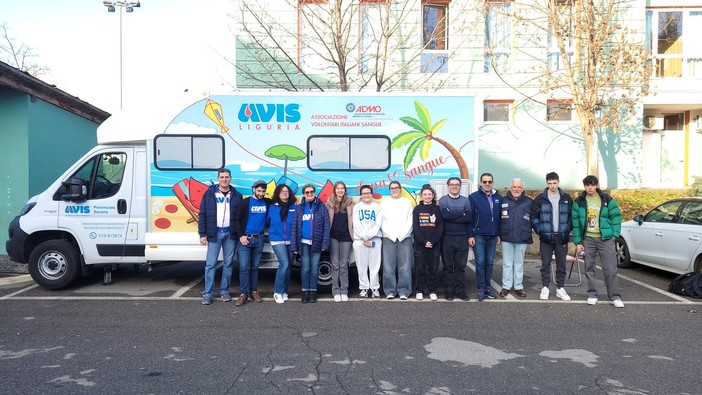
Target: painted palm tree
point(420, 137)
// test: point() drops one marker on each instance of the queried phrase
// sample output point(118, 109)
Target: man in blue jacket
point(483, 234)
point(515, 234)
point(215, 226)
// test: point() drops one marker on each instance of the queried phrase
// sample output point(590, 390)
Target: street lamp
point(112, 7)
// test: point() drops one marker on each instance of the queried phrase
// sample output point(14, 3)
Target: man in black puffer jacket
point(550, 219)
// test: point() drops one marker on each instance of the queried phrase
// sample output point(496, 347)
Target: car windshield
point(663, 213)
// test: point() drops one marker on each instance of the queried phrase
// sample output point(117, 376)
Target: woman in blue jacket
point(310, 236)
point(281, 215)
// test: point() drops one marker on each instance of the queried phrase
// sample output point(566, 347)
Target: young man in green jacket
point(597, 223)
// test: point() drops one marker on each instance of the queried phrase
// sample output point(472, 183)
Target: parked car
point(669, 237)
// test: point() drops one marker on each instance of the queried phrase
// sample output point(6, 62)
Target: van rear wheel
point(54, 264)
point(324, 278)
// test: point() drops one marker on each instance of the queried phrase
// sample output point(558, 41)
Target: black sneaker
point(449, 296)
point(463, 297)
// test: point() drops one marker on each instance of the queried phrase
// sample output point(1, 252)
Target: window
point(102, 174)
point(433, 63)
point(496, 110)
point(372, 20)
point(311, 44)
point(664, 213)
point(348, 153)
point(434, 22)
point(498, 35)
point(559, 110)
point(674, 42)
point(692, 214)
point(179, 152)
point(562, 20)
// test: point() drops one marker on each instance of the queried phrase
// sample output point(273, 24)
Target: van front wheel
point(54, 264)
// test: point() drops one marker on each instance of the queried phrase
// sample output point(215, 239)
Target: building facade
point(43, 131)
point(503, 52)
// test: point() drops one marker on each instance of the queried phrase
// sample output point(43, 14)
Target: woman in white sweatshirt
point(367, 242)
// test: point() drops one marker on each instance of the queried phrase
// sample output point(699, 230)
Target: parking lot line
point(191, 284)
point(660, 291)
point(20, 291)
point(186, 288)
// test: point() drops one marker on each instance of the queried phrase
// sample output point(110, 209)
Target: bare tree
point(336, 45)
point(595, 60)
point(19, 55)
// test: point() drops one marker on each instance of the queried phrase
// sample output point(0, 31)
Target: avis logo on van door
point(77, 210)
point(260, 112)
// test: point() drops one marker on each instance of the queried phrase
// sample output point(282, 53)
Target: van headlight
point(27, 208)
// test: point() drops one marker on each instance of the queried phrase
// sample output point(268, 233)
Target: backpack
point(688, 284)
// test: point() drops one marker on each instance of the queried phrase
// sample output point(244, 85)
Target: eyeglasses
point(454, 185)
point(394, 188)
point(308, 192)
point(366, 193)
point(487, 182)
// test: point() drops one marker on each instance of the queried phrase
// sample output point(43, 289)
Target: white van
point(134, 199)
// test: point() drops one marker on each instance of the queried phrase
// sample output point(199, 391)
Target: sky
point(168, 46)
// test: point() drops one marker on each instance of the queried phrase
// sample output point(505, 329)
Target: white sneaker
point(420, 296)
point(390, 296)
point(344, 298)
point(337, 298)
point(363, 294)
point(376, 294)
point(562, 294)
point(433, 297)
point(403, 297)
point(618, 303)
point(285, 296)
point(592, 301)
point(544, 293)
point(278, 298)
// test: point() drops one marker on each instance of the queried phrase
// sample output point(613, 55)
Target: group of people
point(407, 237)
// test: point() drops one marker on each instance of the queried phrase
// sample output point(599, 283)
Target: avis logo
point(363, 109)
point(259, 112)
point(77, 210)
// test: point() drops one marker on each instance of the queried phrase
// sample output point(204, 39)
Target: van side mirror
point(74, 189)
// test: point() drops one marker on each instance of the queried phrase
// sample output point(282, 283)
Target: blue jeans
point(397, 267)
point(484, 256)
point(513, 265)
point(226, 244)
point(249, 259)
point(282, 275)
point(309, 267)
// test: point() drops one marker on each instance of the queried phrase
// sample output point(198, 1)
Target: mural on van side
point(420, 137)
point(295, 140)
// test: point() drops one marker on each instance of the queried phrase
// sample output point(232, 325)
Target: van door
point(101, 223)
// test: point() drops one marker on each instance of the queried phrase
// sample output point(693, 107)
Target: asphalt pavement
point(147, 333)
